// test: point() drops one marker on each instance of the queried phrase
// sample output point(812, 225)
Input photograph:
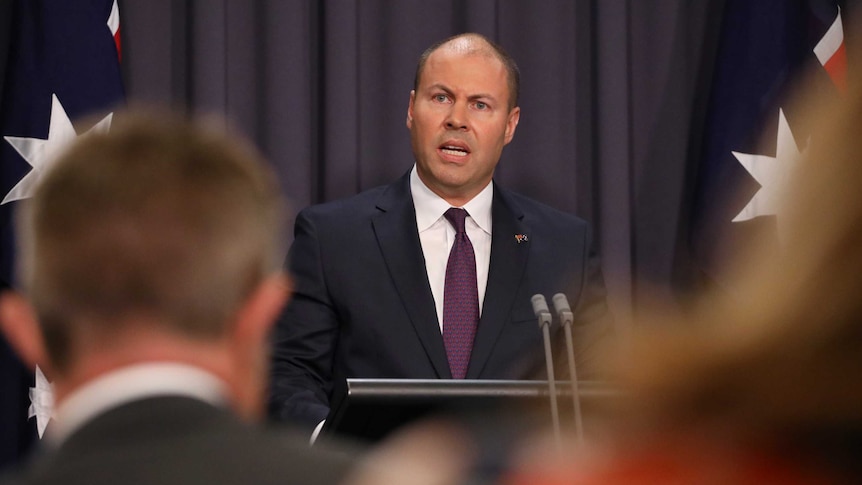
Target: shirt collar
point(129, 384)
point(430, 207)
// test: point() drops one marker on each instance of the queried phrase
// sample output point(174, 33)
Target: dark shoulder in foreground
point(243, 456)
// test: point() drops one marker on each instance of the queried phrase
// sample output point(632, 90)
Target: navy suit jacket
point(363, 306)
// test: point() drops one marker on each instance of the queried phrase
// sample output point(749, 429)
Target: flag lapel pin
point(521, 238)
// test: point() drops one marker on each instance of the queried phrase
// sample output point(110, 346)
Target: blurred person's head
point(157, 241)
point(782, 350)
point(759, 382)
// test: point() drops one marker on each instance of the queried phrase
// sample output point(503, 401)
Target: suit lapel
point(507, 265)
point(398, 237)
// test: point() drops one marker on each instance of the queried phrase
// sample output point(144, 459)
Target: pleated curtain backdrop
point(610, 99)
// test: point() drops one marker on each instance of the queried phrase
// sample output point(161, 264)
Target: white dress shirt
point(437, 236)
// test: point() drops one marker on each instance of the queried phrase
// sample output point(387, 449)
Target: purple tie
point(460, 298)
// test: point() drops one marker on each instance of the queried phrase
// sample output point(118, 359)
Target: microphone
point(540, 309)
point(543, 315)
point(561, 305)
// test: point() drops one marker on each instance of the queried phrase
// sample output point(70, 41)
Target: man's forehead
point(444, 56)
point(465, 46)
point(457, 54)
point(485, 79)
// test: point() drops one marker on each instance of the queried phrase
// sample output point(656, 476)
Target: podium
point(370, 409)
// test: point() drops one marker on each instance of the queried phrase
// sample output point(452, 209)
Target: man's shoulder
point(11, 476)
point(215, 448)
point(276, 454)
point(535, 211)
point(363, 203)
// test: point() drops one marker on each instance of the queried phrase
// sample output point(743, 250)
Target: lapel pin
point(521, 238)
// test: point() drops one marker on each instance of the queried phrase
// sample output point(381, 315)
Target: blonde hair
point(160, 218)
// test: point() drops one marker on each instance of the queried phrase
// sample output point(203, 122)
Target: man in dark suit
point(150, 276)
point(376, 292)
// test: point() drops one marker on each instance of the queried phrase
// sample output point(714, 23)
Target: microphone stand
point(561, 304)
point(540, 309)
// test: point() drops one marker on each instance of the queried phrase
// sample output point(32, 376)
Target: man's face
point(459, 120)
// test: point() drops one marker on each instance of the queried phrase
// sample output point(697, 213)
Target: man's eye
point(440, 98)
point(481, 105)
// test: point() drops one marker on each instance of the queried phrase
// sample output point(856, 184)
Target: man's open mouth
point(454, 150)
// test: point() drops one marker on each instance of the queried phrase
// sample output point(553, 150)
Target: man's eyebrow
point(483, 96)
point(441, 87)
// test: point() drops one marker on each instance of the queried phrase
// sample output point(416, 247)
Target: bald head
point(475, 44)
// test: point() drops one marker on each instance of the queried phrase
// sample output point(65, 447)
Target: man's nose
point(457, 117)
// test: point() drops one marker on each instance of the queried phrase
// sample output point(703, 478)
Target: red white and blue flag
point(61, 67)
point(752, 134)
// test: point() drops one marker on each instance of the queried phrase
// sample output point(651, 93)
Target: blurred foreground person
point(762, 386)
point(150, 275)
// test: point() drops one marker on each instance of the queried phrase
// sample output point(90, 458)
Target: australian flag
point(59, 67)
point(752, 131)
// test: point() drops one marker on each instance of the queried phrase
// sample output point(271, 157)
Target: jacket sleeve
point(305, 336)
point(593, 331)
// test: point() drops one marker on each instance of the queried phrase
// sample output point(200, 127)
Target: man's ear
point(511, 124)
point(261, 309)
point(410, 110)
point(249, 344)
point(21, 328)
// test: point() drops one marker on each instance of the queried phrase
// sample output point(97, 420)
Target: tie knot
point(456, 217)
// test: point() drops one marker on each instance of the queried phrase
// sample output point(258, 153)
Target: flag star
point(41, 154)
point(770, 172)
point(41, 402)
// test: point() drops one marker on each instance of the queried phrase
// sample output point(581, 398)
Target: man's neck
point(98, 358)
point(454, 197)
